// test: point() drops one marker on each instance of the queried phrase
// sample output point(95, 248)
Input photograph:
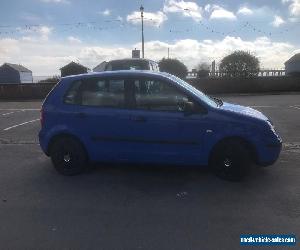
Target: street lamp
point(142, 16)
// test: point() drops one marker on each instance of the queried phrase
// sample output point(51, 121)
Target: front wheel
point(68, 156)
point(230, 160)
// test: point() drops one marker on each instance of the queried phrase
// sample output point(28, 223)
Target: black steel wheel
point(68, 156)
point(230, 160)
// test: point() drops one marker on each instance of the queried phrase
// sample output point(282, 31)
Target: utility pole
point(142, 16)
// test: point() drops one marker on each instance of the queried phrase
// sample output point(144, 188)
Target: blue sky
point(46, 34)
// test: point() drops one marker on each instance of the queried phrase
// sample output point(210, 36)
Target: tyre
point(68, 156)
point(230, 160)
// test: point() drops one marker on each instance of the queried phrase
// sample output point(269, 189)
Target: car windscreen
point(197, 92)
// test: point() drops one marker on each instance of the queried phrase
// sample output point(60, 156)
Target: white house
point(100, 67)
point(292, 66)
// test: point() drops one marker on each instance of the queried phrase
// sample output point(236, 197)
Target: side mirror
point(189, 108)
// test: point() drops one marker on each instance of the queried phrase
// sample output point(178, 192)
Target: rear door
point(97, 111)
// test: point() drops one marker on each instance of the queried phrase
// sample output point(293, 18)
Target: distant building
point(136, 53)
point(100, 67)
point(292, 66)
point(73, 69)
point(15, 73)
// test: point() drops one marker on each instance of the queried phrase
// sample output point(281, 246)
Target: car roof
point(133, 59)
point(117, 73)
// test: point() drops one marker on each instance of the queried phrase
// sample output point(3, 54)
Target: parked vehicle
point(132, 64)
point(151, 117)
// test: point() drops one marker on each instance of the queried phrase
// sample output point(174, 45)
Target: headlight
point(271, 125)
point(272, 128)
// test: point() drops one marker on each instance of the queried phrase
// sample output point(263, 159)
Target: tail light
point(42, 117)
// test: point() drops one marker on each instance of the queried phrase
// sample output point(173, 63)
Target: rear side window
point(97, 92)
point(128, 65)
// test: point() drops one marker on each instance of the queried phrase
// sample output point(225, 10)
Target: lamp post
point(142, 16)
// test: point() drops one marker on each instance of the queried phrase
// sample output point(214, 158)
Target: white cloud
point(47, 56)
point(245, 11)
point(150, 18)
point(271, 54)
point(44, 32)
point(39, 33)
point(188, 9)
point(207, 7)
point(106, 12)
point(73, 39)
point(120, 19)
point(219, 12)
point(278, 21)
point(294, 7)
point(56, 1)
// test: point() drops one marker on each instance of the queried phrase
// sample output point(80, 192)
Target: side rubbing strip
point(138, 140)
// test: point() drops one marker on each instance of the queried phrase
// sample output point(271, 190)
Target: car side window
point(97, 92)
point(158, 95)
point(71, 95)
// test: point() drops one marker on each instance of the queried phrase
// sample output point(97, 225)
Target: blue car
point(149, 117)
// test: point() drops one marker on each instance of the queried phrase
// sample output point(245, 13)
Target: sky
point(44, 35)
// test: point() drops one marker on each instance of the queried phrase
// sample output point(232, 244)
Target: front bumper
point(269, 153)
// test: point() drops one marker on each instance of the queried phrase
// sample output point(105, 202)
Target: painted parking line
point(263, 106)
point(295, 107)
point(12, 112)
point(20, 109)
point(20, 124)
point(9, 113)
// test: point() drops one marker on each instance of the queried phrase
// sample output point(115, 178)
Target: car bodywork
point(132, 135)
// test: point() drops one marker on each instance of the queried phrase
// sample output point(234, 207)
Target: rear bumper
point(43, 142)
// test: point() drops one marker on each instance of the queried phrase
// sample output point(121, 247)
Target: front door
point(161, 129)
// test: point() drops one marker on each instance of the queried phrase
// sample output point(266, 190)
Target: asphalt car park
point(143, 207)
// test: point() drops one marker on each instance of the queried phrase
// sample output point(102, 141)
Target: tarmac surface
point(138, 207)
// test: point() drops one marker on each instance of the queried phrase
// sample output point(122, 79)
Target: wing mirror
point(189, 107)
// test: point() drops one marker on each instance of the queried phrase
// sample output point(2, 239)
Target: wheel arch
point(248, 145)
point(64, 135)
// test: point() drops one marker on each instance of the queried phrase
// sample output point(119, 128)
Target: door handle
point(138, 118)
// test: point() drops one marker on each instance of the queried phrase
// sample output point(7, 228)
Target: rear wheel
point(68, 156)
point(230, 160)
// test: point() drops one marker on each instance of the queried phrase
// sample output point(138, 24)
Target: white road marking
point(9, 113)
point(21, 124)
point(262, 106)
point(295, 107)
point(20, 109)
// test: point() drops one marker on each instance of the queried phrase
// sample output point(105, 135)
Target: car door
point(99, 115)
point(162, 131)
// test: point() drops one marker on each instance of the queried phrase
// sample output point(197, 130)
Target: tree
point(202, 70)
point(239, 64)
point(174, 67)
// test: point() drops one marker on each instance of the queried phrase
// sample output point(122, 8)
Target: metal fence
point(261, 73)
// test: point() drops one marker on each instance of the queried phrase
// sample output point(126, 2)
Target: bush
point(239, 64)
point(174, 67)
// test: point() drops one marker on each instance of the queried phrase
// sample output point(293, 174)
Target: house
point(15, 73)
point(100, 67)
point(73, 69)
point(292, 66)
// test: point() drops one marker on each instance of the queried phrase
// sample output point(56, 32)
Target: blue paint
point(129, 134)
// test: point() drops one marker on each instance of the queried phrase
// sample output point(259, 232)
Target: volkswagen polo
point(149, 117)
